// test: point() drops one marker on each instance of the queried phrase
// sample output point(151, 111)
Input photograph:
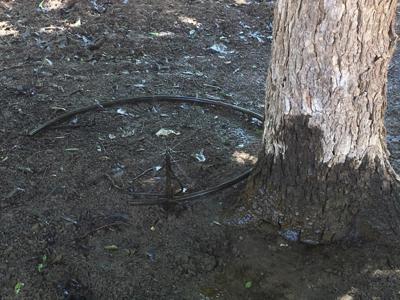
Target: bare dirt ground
point(68, 229)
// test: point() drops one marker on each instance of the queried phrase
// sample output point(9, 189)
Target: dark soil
point(69, 228)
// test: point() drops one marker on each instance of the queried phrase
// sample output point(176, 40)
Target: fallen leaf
point(111, 247)
point(166, 132)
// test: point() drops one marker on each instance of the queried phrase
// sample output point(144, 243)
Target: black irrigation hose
point(161, 199)
point(134, 100)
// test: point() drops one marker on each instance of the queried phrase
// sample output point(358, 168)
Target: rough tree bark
point(324, 174)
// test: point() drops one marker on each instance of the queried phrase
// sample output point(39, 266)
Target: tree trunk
point(324, 173)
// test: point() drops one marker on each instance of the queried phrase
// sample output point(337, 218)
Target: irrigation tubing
point(161, 199)
point(135, 100)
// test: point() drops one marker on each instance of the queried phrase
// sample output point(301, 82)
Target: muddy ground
point(69, 228)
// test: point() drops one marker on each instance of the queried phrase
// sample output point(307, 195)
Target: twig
point(13, 67)
point(74, 92)
point(143, 173)
point(212, 86)
point(94, 180)
point(112, 181)
point(169, 192)
point(100, 228)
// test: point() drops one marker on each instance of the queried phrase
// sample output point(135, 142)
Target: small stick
point(112, 181)
point(74, 92)
point(100, 228)
point(103, 175)
point(13, 67)
point(169, 191)
point(143, 173)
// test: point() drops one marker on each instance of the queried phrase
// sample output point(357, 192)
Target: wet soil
point(69, 228)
